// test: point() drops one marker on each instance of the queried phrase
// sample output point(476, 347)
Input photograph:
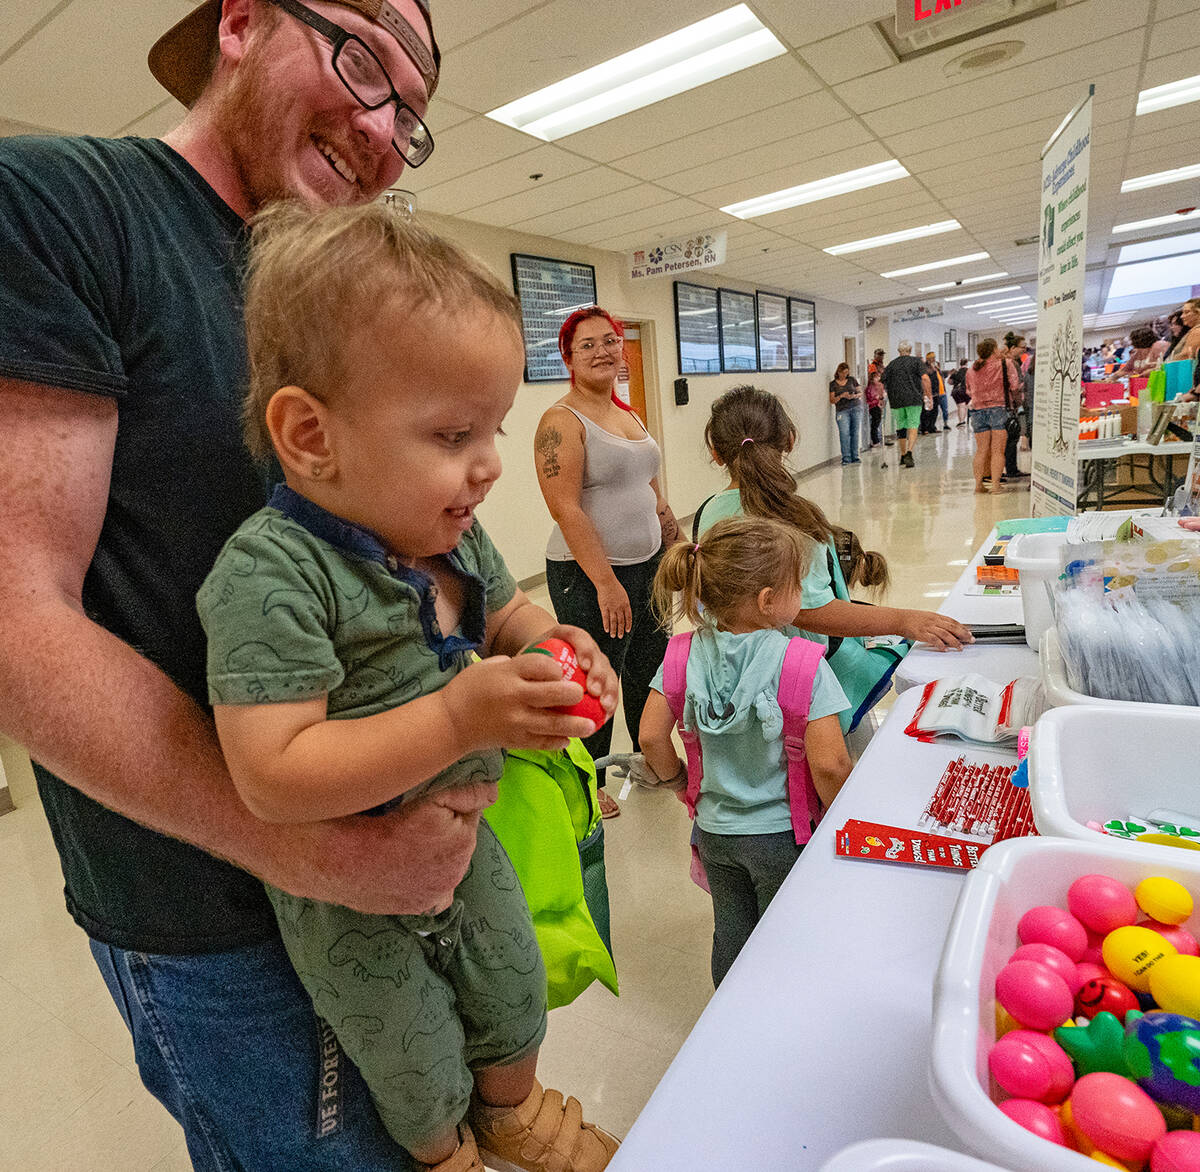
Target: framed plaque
point(774, 344)
point(739, 331)
point(803, 317)
point(549, 292)
point(697, 329)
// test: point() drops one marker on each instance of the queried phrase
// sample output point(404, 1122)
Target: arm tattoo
point(546, 445)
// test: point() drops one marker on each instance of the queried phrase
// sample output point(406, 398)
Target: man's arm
point(103, 718)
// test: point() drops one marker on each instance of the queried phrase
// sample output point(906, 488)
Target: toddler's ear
point(297, 423)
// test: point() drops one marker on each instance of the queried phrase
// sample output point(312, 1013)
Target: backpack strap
point(696, 519)
point(675, 689)
point(796, 678)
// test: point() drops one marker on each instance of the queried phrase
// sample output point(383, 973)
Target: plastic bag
point(974, 708)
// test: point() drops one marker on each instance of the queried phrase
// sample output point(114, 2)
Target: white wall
point(515, 514)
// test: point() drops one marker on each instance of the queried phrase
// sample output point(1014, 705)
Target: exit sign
point(924, 14)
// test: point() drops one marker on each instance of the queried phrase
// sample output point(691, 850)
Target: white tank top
point(617, 496)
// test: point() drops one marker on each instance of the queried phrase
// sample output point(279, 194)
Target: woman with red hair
point(597, 467)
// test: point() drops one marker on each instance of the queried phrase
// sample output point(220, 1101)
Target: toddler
point(341, 622)
point(740, 586)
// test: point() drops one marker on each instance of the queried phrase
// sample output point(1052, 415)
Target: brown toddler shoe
point(465, 1159)
point(542, 1134)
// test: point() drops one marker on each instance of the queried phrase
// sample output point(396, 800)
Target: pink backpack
point(795, 695)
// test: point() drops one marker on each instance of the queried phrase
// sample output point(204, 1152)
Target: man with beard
point(122, 364)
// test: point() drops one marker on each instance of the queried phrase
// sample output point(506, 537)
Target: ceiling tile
point(1168, 37)
point(505, 178)
point(17, 20)
point(541, 198)
point(595, 207)
point(801, 24)
point(849, 54)
point(468, 147)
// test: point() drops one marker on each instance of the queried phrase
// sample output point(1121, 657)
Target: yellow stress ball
point(1130, 954)
point(1175, 985)
point(1163, 899)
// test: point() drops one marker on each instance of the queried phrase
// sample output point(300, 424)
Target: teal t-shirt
point(732, 701)
point(301, 603)
point(815, 590)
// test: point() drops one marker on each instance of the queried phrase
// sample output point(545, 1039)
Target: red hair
point(566, 338)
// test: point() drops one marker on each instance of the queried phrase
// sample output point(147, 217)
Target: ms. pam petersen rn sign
point(925, 14)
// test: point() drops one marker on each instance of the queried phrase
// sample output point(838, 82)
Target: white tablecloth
point(995, 661)
point(820, 1034)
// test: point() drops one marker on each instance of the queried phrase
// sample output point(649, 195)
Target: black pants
point(876, 430)
point(1010, 454)
point(744, 872)
point(635, 658)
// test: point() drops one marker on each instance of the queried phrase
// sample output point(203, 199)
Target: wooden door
point(631, 382)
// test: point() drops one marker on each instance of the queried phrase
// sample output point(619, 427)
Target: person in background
point(1176, 330)
point(846, 397)
point(874, 400)
point(1188, 345)
point(908, 388)
point(1015, 401)
point(958, 391)
point(740, 587)
point(1147, 352)
point(877, 363)
point(937, 387)
point(597, 467)
point(122, 366)
point(985, 385)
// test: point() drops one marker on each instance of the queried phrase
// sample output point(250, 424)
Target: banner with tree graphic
point(1062, 270)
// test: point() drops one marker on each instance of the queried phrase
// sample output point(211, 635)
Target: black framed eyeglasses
point(363, 74)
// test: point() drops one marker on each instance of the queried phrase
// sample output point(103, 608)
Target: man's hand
point(405, 862)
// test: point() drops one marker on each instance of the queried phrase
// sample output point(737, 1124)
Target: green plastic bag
point(1156, 385)
point(547, 818)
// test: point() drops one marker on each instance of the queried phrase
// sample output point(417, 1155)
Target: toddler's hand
point(503, 702)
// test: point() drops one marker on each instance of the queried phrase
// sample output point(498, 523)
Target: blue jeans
point(849, 425)
point(228, 1042)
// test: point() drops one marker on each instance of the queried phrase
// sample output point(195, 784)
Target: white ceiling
point(837, 101)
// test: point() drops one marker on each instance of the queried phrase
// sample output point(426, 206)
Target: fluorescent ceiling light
point(937, 264)
point(791, 197)
point(710, 49)
point(1169, 272)
point(1163, 246)
point(1157, 221)
point(981, 293)
point(1160, 178)
point(1163, 97)
point(894, 237)
point(1009, 301)
point(964, 281)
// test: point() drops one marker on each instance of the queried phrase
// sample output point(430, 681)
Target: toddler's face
point(415, 428)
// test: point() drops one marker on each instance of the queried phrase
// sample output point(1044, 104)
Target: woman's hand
point(939, 631)
point(615, 612)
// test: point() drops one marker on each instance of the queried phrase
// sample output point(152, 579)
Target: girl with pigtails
point(757, 710)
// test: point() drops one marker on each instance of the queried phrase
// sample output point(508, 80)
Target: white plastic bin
point(1011, 878)
point(1059, 691)
point(903, 1155)
point(1037, 557)
point(1095, 763)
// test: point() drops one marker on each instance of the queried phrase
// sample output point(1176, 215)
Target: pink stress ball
point(1177, 1151)
point(1037, 998)
point(1086, 971)
point(1185, 943)
point(1116, 1115)
point(1094, 952)
point(1053, 926)
point(1102, 903)
point(1053, 959)
point(1029, 1065)
point(1036, 1117)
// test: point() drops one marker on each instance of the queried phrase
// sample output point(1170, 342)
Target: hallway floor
point(72, 1101)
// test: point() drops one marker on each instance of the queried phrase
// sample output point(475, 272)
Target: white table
point(820, 1034)
point(1000, 662)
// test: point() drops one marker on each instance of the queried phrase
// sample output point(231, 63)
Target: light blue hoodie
point(732, 703)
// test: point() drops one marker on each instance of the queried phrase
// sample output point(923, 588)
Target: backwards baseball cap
point(181, 59)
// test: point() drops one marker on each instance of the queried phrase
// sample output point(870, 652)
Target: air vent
point(969, 24)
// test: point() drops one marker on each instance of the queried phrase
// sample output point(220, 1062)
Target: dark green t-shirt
point(121, 276)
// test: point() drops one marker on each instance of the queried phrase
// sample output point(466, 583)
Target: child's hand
point(503, 702)
point(601, 679)
point(941, 632)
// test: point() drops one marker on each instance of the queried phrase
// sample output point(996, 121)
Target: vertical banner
point(1062, 269)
